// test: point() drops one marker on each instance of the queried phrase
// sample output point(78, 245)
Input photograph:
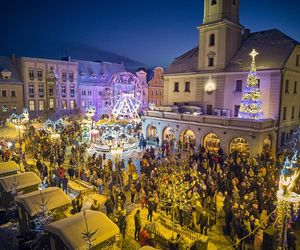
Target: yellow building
point(11, 88)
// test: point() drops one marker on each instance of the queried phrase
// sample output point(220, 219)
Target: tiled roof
point(7, 64)
point(97, 72)
point(274, 48)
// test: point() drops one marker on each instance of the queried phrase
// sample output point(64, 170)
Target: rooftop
point(7, 64)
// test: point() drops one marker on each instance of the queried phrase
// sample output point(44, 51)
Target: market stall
point(69, 233)
point(30, 205)
point(8, 168)
point(13, 185)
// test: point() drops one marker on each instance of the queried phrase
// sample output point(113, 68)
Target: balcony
point(211, 120)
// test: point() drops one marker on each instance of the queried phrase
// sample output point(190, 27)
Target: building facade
point(50, 86)
point(210, 78)
point(156, 87)
point(11, 88)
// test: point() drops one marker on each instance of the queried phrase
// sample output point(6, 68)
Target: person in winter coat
point(203, 221)
point(137, 224)
point(258, 240)
point(109, 205)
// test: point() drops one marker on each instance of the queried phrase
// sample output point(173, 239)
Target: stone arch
point(212, 141)
point(151, 132)
point(168, 134)
point(187, 138)
point(240, 145)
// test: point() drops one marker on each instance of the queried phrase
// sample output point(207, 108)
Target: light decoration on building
point(251, 104)
point(287, 199)
point(152, 106)
point(127, 107)
point(19, 120)
point(210, 86)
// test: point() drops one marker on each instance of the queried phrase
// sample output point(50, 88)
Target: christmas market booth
point(51, 202)
point(8, 168)
point(13, 185)
point(147, 248)
point(167, 232)
point(85, 230)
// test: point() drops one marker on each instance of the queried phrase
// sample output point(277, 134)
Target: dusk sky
point(153, 32)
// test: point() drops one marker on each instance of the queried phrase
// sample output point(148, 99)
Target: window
point(13, 93)
point(293, 113)
point(4, 108)
point(83, 92)
point(282, 139)
point(41, 89)
point(83, 104)
point(51, 90)
point(3, 93)
point(89, 92)
point(40, 74)
point(100, 93)
point(64, 76)
point(13, 108)
point(72, 90)
point(258, 83)
point(187, 87)
point(176, 87)
point(31, 90)
point(236, 110)
point(41, 105)
point(71, 76)
point(284, 114)
point(51, 103)
point(31, 74)
point(295, 87)
point(156, 92)
point(209, 109)
point(234, 2)
point(286, 86)
point(210, 62)
point(212, 40)
point(72, 104)
point(90, 103)
point(31, 105)
point(213, 2)
point(297, 60)
point(63, 90)
point(238, 86)
point(64, 104)
point(152, 92)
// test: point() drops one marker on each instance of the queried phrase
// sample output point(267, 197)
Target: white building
point(212, 76)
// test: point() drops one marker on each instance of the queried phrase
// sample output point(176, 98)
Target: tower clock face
point(210, 87)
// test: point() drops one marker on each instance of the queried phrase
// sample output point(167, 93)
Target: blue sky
point(152, 32)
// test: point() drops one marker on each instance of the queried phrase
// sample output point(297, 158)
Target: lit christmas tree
point(251, 105)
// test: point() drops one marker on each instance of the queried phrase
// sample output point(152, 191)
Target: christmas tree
point(251, 104)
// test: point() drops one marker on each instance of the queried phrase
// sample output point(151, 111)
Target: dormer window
point(103, 76)
point(213, 2)
point(5, 74)
point(93, 75)
point(212, 40)
point(82, 74)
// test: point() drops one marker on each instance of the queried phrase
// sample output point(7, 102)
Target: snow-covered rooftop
point(54, 198)
point(21, 181)
point(70, 229)
point(9, 166)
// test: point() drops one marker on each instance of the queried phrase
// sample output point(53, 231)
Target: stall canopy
point(147, 248)
point(70, 229)
point(21, 181)
point(6, 167)
point(54, 198)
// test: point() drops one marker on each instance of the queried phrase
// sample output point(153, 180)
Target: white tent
point(54, 198)
point(21, 181)
point(70, 229)
point(9, 166)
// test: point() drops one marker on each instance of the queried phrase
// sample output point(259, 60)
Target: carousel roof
point(22, 180)
point(70, 229)
point(54, 198)
point(6, 167)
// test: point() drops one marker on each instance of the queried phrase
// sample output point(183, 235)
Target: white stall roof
point(9, 166)
point(54, 198)
point(70, 229)
point(21, 181)
point(147, 248)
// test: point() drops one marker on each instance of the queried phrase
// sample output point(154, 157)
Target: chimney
point(13, 58)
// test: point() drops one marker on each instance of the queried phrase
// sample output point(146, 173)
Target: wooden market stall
point(15, 184)
point(8, 168)
point(30, 205)
point(68, 233)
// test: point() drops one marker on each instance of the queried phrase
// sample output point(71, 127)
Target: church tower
point(220, 34)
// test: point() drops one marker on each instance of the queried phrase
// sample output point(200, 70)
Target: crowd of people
point(192, 186)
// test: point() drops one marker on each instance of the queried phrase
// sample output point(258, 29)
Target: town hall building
point(203, 88)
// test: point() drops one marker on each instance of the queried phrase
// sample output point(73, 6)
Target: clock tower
point(220, 34)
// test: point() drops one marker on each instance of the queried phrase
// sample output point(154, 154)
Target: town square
point(198, 151)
